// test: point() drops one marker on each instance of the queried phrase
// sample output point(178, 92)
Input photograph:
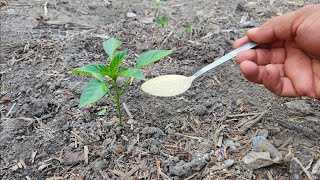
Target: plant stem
point(125, 85)
point(118, 102)
point(111, 97)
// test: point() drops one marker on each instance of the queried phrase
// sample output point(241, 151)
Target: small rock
point(260, 144)
point(99, 165)
point(219, 155)
point(248, 174)
point(201, 110)
point(15, 167)
point(182, 168)
point(200, 13)
point(152, 131)
point(73, 158)
point(264, 133)
point(208, 103)
point(130, 148)
point(154, 149)
point(228, 142)
point(228, 163)
point(131, 15)
point(299, 105)
point(147, 21)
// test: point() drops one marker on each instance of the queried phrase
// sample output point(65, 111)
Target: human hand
point(287, 61)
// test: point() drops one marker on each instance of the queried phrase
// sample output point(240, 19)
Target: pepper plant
point(162, 21)
point(106, 76)
point(188, 28)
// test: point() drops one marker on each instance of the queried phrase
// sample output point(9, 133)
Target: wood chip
point(130, 173)
point(217, 134)
point(269, 175)
point(303, 168)
point(86, 154)
point(55, 178)
point(117, 172)
point(104, 175)
point(286, 143)
point(316, 168)
point(158, 167)
point(23, 164)
point(33, 156)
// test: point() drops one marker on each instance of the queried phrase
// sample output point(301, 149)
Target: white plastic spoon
point(172, 85)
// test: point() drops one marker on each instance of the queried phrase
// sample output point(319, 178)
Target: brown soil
point(44, 134)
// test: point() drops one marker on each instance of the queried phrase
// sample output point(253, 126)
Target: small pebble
point(131, 15)
point(228, 163)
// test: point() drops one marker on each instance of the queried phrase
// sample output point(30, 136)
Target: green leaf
point(102, 112)
point(95, 70)
point(93, 91)
point(134, 73)
point(116, 61)
point(163, 21)
point(151, 56)
point(110, 46)
point(188, 27)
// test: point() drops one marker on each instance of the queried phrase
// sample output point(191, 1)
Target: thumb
point(278, 28)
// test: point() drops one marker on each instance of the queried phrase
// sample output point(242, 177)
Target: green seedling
point(163, 21)
point(106, 76)
point(188, 28)
point(108, 2)
point(159, 3)
point(102, 112)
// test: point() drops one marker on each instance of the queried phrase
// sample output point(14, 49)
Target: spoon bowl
point(172, 85)
point(167, 85)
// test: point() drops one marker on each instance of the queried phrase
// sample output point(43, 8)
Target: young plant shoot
point(106, 76)
point(163, 21)
point(188, 28)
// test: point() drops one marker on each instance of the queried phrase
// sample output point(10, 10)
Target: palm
point(300, 71)
point(283, 68)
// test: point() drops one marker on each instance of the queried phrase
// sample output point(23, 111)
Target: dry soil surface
point(201, 134)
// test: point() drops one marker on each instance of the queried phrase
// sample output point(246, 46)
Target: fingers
point(271, 76)
point(262, 56)
point(278, 28)
point(241, 42)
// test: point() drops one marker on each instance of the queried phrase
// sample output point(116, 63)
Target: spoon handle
point(225, 58)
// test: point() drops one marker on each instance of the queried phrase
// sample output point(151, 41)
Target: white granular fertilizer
point(167, 85)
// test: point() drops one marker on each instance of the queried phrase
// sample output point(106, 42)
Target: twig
point(127, 110)
point(128, 174)
point(269, 175)
point(217, 134)
point(286, 143)
point(243, 114)
point(45, 8)
point(252, 123)
point(77, 136)
point(164, 176)
point(192, 176)
point(9, 112)
point(315, 167)
point(302, 130)
point(166, 39)
point(246, 121)
point(191, 137)
point(158, 167)
point(104, 175)
point(303, 168)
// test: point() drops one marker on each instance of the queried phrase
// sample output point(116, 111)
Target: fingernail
point(254, 30)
